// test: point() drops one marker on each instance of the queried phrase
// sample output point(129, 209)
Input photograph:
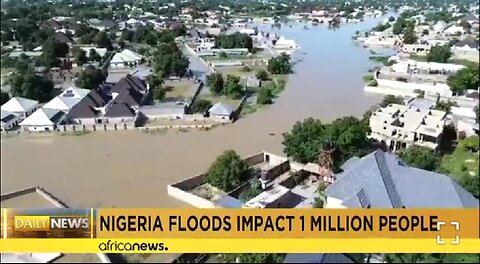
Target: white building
point(126, 58)
point(439, 27)
point(410, 66)
point(20, 106)
point(400, 126)
point(67, 99)
point(285, 44)
point(221, 111)
point(454, 30)
point(42, 120)
point(8, 120)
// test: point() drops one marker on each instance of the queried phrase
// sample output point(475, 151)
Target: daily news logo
point(35, 223)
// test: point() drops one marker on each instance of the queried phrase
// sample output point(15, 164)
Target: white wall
point(334, 203)
point(37, 128)
point(410, 87)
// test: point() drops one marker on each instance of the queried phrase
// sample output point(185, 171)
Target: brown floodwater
point(132, 169)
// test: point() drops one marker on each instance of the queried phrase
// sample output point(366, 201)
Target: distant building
point(126, 58)
point(381, 180)
point(285, 44)
point(454, 30)
point(400, 126)
point(466, 45)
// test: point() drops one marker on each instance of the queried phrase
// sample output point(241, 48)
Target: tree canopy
point(90, 78)
point(280, 64)
point(445, 106)
point(102, 40)
point(169, 60)
point(155, 83)
point(348, 135)
point(464, 79)
point(256, 258)
point(215, 83)
point(262, 75)
point(52, 51)
point(80, 56)
point(228, 171)
point(4, 97)
point(233, 87)
point(234, 41)
point(420, 157)
point(265, 95)
point(30, 85)
point(439, 53)
point(409, 36)
point(201, 106)
point(391, 99)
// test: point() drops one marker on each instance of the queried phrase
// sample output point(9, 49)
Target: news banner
point(240, 230)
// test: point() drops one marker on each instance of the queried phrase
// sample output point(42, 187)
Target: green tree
point(102, 40)
point(52, 51)
point(94, 56)
point(254, 189)
point(420, 157)
point(425, 32)
point(391, 99)
point(234, 41)
point(265, 96)
point(470, 183)
point(280, 64)
point(464, 79)
point(201, 106)
point(320, 200)
point(30, 85)
point(445, 106)
point(228, 171)
point(348, 135)
point(215, 82)
point(233, 87)
point(262, 75)
point(155, 83)
point(409, 37)
point(90, 78)
point(391, 19)
point(80, 56)
point(439, 53)
point(4, 97)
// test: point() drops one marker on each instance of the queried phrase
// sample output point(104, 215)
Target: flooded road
point(132, 169)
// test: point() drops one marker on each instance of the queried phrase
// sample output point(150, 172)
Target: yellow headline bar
point(299, 245)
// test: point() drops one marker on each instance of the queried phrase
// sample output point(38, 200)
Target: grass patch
point(382, 59)
point(179, 89)
point(368, 78)
point(465, 63)
point(460, 162)
point(238, 70)
point(419, 58)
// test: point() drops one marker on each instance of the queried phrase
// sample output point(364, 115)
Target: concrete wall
point(281, 201)
point(191, 182)
point(37, 128)
point(254, 159)
point(278, 170)
point(274, 159)
point(410, 87)
point(189, 198)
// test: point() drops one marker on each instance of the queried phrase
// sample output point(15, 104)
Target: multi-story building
point(400, 126)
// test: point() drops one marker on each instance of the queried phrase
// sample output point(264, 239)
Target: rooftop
point(381, 180)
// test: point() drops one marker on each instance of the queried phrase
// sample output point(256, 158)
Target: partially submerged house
point(222, 111)
point(381, 180)
point(20, 106)
point(43, 119)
